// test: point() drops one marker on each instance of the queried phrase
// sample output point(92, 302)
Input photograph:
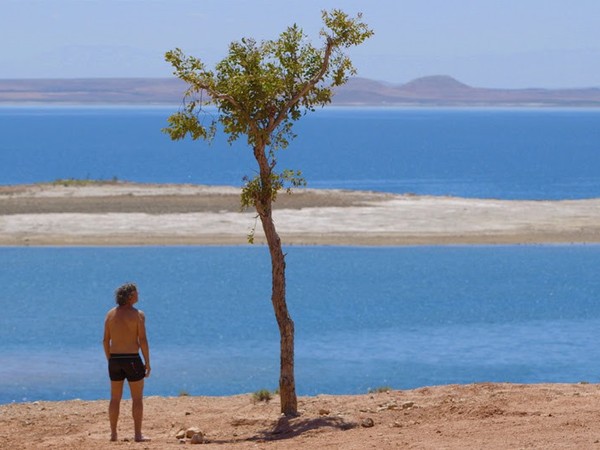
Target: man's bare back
point(123, 325)
point(125, 331)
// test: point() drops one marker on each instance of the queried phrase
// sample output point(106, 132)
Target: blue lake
point(365, 317)
point(486, 153)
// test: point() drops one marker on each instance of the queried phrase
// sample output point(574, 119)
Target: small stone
point(182, 441)
point(180, 434)
point(192, 431)
point(387, 407)
point(324, 412)
point(197, 438)
point(407, 405)
point(367, 423)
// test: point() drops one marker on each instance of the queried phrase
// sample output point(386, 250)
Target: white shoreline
point(378, 219)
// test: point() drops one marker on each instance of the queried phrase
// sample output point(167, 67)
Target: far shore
point(124, 214)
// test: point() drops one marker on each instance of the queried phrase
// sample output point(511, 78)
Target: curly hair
point(124, 293)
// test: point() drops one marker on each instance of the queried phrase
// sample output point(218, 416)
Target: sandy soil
point(479, 416)
point(132, 214)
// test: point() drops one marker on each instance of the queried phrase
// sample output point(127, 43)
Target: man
point(124, 336)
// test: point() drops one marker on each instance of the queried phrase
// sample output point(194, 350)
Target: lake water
point(512, 154)
point(365, 317)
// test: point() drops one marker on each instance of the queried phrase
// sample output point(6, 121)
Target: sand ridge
point(138, 214)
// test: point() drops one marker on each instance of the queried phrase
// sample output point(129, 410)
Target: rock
point(180, 434)
point(367, 423)
point(407, 405)
point(197, 438)
point(324, 412)
point(387, 406)
point(190, 432)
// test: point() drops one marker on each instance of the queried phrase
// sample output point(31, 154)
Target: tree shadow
point(288, 428)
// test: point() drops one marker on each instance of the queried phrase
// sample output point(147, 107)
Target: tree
point(260, 90)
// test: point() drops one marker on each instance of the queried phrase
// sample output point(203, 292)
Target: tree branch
point(306, 87)
point(229, 99)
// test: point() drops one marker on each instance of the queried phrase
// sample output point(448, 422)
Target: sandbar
point(129, 214)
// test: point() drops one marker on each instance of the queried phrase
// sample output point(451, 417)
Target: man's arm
point(106, 340)
point(143, 341)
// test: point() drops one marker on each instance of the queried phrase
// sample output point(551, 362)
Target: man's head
point(125, 293)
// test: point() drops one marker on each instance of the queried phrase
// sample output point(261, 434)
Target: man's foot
point(142, 439)
point(113, 437)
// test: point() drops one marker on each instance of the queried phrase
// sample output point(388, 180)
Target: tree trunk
point(287, 383)
point(264, 202)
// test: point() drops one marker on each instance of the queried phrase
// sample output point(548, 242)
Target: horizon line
point(378, 80)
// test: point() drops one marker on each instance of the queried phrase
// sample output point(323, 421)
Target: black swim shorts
point(126, 366)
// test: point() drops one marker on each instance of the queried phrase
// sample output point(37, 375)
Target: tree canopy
point(261, 88)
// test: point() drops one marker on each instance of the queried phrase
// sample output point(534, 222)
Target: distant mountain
point(435, 84)
point(438, 90)
point(93, 90)
point(442, 90)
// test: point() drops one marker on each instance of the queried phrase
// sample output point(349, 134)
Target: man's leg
point(116, 392)
point(137, 407)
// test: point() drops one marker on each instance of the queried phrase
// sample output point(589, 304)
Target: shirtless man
point(124, 336)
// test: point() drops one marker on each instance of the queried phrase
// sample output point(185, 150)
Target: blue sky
point(487, 43)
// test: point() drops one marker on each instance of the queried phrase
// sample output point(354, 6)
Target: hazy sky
point(487, 43)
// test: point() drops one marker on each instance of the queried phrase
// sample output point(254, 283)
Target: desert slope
point(477, 416)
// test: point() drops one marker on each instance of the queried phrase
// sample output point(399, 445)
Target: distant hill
point(441, 90)
point(435, 83)
point(93, 90)
point(438, 90)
